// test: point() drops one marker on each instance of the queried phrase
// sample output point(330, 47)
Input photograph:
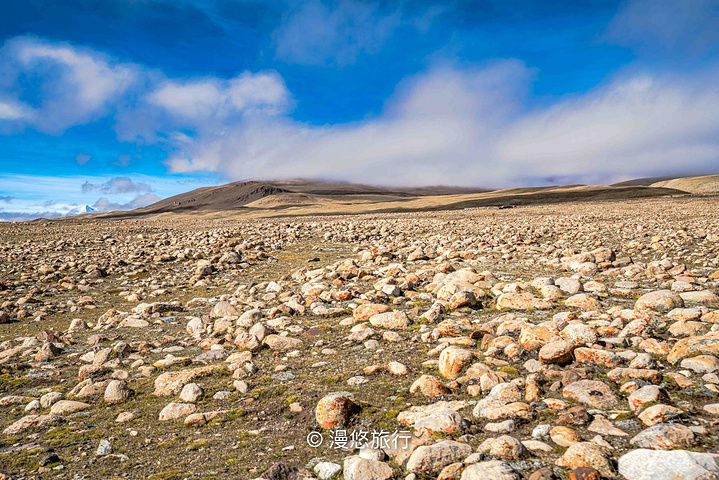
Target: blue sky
point(116, 103)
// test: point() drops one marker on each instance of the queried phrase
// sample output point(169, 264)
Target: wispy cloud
point(104, 205)
point(82, 159)
point(684, 26)
point(117, 185)
point(10, 110)
point(122, 161)
point(25, 216)
point(316, 33)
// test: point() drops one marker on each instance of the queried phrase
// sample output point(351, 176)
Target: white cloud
point(77, 85)
point(314, 33)
point(435, 121)
point(265, 91)
point(47, 209)
point(196, 100)
point(192, 99)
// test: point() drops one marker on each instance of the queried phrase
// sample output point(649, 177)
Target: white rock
point(327, 470)
point(645, 464)
point(190, 393)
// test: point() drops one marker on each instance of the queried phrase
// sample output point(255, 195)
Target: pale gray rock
point(105, 448)
point(431, 459)
point(358, 468)
point(591, 392)
point(327, 470)
point(664, 436)
point(493, 469)
point(644, 464)
point(190, 393)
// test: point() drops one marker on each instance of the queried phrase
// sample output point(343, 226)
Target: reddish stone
point(584, 473)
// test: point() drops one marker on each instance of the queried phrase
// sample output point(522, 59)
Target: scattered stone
point(431, 459)
point(543, 473)
point(643, 396)
point(365, 312)
point(442, 421)
point(358, 468)
point(452, 360)
point(278, 342)
point(662, 300)
point(584, 473)
point(391, 320)
point(117, 391)
point(508, 447)
point(333, 410)
point(701, 364)
point(428, 386)
point(591, 392)
point(588, 454)
point(170, 383)
point(176, 410)
point(190, 393)
point(559, 352)
point(659, 414)
point(270, 319)
point(49, 399)
point(327, 470)
point(564, 436)
point(397, 368)
point(104, 448)
point(664, 436)
point(66, 407)
point(494, 469)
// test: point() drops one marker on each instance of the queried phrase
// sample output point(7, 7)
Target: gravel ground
point(557, 341)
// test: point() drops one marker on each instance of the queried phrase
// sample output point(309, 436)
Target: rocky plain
point(577, 341)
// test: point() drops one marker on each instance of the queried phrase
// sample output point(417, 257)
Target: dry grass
point(702, 184)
